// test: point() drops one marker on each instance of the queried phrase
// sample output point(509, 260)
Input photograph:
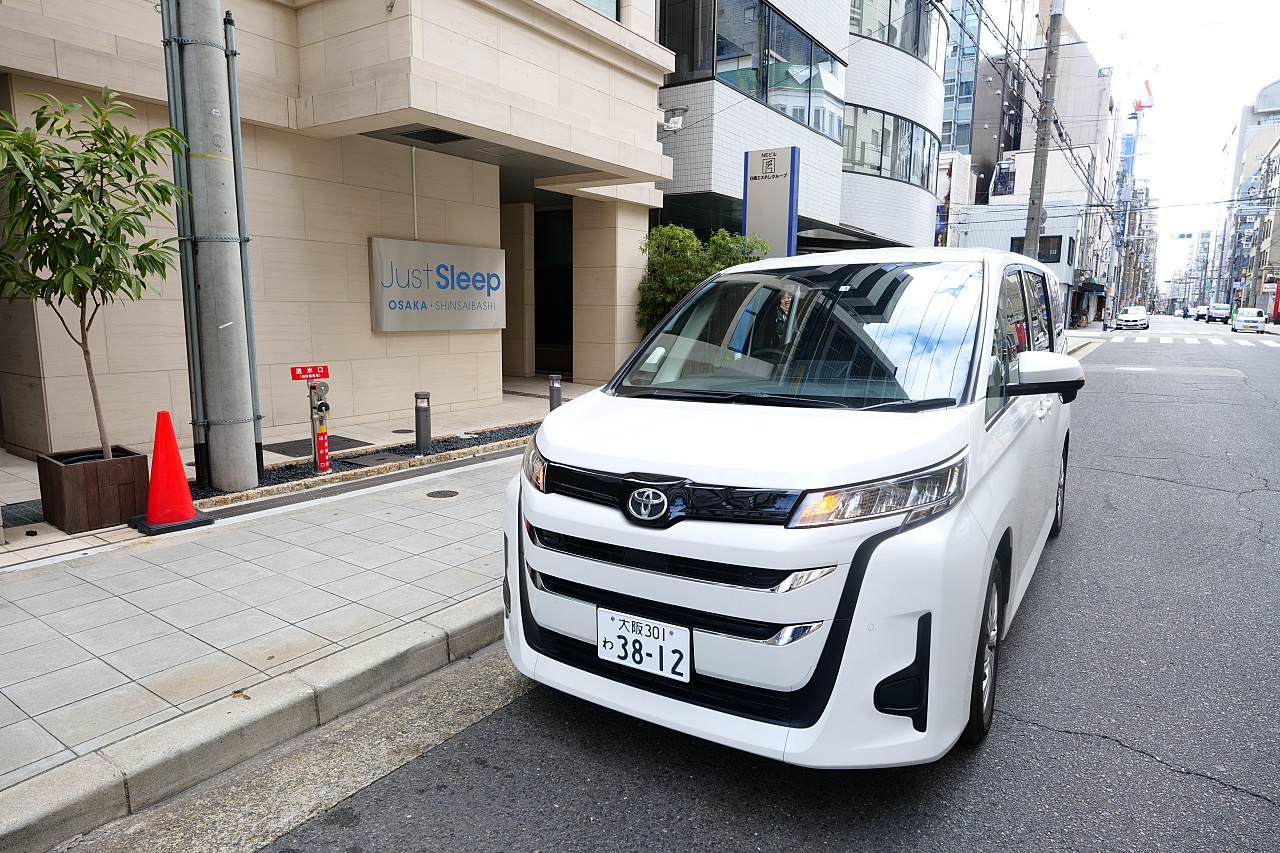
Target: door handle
point(1046, 404)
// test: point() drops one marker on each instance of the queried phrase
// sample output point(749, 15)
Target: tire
point(986, 666)
point(1060, 502)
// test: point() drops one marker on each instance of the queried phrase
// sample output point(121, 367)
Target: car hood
point(747, 446)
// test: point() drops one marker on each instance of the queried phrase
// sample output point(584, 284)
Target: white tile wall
point(826, 21)
point(884, 78)
point(891, 209)
point(721, 124)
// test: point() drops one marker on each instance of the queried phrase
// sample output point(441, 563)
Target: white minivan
point(800, 518)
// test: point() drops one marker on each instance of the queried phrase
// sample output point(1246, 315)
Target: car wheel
point(1060, 503)
point(982, 692)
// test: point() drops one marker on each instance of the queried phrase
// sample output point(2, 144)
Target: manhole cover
point(443, 493)
point(301, 447)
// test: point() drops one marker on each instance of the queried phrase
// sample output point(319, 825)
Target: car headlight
point(535, 467)
point(920, 495)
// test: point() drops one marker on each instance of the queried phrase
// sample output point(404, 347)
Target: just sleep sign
point(427, 287)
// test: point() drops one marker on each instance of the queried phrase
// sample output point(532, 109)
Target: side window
point(1011, 336)
point(1041, 311)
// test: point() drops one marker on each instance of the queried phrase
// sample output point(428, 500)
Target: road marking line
point(1218, 341)
point(1192, 340)
point(1270, 344)
point(1245, 343)
point(1166, 340)
point(1140, 340)
point(1117, 340)
point(1138, 369)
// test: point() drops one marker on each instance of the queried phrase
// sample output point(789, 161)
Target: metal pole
point(422, 421)
point(190, 309)
point(224, 342)
point(229, 29)
point(555, 391)
point(1040, 166)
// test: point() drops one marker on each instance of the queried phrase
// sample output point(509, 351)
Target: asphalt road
point(1137, 703)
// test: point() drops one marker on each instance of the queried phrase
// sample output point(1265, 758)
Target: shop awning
point(1091, 285)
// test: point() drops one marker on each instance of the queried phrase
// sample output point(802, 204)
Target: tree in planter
point(677, 261)
point(78, 194)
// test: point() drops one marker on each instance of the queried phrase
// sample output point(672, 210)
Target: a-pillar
point(607, 265)
point(518, 336)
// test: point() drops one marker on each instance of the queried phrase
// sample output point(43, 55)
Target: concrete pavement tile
point(490, 565)
point(278, 524)
point(119, 635)
point(458, 553)
point(9, 712)
point(291, 558)
point(459, 530)
point(451, 582)
point(344, 622)
point(29, 632)
point(321, 515)
point(375, 631)
point(471, 509)
point(32, 661)
point(306, 538)
point(161, 553)
point(302, 660)
point(55, 689)
point(63, 599)
point(391, 513)
point(260, 547)
point(419, 542)
point(203, 699)
point(353, 524)
point(136, 726)
point(374, 556)
point(264, 591)
point(153, 656)
point(134, 581)
point(339, 545)
point(15, 586)
point(491, 520)
point(401, 600)
point(427, 611)
point(220, 539)
point(180, 684)
point(24, 742)
point(491, 541)
point(96, 715)
point(184, 614)
point(277, 647)
point(361, 585)
point(304, 605)
point(35, 768)
point(225, 578)
point(411, 569)
point(386, 532)
point(183, 589)
point(86, 616)
point(10, 613)
point(190, 566)
point(236, 628)
point(99, 566)
point(322, 573)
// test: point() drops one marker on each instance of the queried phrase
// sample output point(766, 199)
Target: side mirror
point(1048, 373)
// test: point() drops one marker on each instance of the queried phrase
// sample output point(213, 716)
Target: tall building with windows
point(854, 84)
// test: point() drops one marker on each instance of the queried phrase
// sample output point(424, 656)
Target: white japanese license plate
point(643, 644)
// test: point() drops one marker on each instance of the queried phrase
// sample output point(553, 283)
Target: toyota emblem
point(647, 504)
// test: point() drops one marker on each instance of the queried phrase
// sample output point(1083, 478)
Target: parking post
point(555, 391)
point(422, 421)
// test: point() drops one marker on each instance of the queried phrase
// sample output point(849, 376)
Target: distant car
point(1248, 320)
point(1202, 311)
point(1133, 317)
point(1219, 311)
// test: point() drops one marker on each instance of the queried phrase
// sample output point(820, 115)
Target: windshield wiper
point(914, 405)
point(758, 398)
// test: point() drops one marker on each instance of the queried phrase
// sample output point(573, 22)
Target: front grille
point(746, 629)
point(666, 564)
point(685, 498)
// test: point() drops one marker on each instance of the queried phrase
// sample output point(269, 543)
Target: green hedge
point(677, 261)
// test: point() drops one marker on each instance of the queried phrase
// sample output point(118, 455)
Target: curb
point(138, 771)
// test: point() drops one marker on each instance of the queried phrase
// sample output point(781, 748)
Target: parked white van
point(800, 518)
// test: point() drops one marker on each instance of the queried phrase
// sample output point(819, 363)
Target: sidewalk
point(523, 400)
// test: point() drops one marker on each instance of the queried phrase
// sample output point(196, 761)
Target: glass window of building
point(914, 26)
point(877, 143)
point(737, 44)
point(688, 29)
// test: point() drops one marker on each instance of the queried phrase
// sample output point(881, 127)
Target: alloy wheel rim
point(992, 640)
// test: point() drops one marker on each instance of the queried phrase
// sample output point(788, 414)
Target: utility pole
point(223, 404)
point(1044, 131)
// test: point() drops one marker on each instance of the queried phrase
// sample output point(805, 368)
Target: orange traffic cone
point(169, 505)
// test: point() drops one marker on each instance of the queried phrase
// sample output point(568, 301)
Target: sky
point(1206, 62)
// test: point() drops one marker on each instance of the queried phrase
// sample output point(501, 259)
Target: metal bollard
point(422, 421)
point(555, 391)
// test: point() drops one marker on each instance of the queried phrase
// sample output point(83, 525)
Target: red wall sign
point(314, 371)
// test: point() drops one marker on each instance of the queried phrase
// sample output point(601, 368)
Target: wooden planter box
point(88, 495)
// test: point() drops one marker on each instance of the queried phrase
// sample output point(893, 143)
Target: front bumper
point(897, 602)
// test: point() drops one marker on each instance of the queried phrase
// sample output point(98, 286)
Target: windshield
point(856, 335)
point(1133, 309)
point(1249, 312)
